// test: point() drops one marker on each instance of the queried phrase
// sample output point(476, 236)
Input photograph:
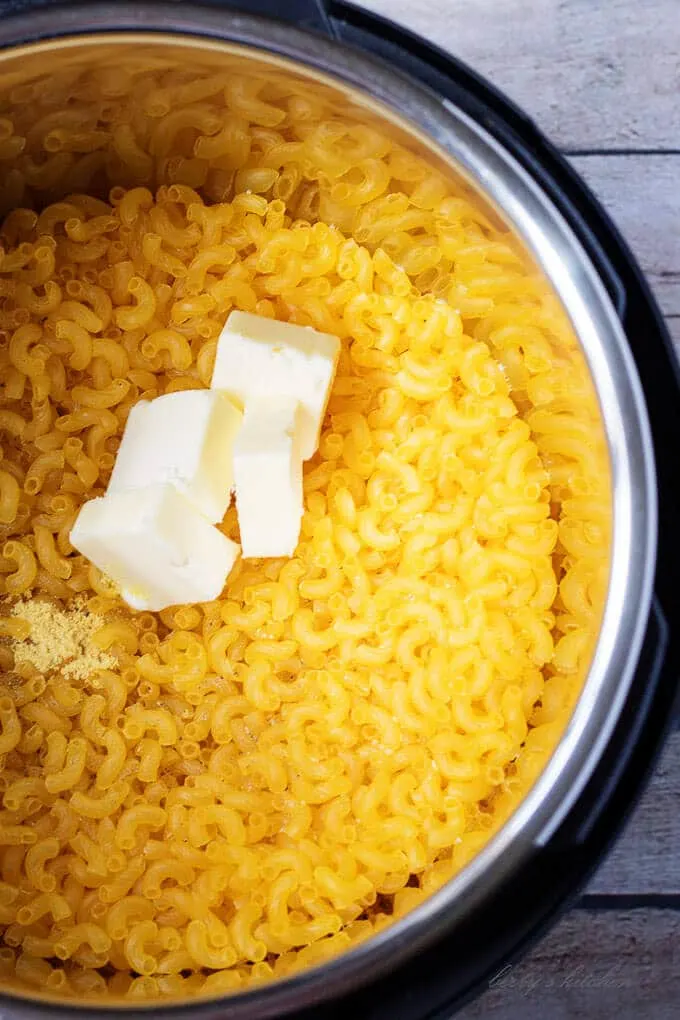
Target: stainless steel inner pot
point(454, 141)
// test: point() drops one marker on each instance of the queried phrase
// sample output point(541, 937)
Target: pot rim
point(489, 168)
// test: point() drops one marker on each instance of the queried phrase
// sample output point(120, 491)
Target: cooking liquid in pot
point(263, 781)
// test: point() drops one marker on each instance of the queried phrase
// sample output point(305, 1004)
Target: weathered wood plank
point(645, 859)
point(641, 193)
point(593, 73)
point(623, 964)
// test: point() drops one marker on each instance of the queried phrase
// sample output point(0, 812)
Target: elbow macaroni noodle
point(266, 780)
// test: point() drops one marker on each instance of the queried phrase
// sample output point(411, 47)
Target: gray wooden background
point(602, 78)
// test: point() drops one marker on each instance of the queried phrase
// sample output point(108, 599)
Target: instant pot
point(444, 952)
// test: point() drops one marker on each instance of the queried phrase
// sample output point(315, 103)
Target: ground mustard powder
point(60, 639)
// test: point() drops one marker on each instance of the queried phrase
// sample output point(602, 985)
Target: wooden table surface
point(602, 78)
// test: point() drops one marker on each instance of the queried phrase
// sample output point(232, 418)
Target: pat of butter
point(183, 439)
point(155, 546)
point(268, 476)
point(260, 357)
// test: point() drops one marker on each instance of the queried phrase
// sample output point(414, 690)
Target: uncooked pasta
point(263, 781)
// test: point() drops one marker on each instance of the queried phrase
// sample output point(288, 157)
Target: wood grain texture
point(644, 861)
point(622, 964)
point(595, 74)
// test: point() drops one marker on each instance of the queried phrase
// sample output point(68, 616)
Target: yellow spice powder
point(60, 639)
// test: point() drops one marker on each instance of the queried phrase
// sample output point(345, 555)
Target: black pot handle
point(309, 14)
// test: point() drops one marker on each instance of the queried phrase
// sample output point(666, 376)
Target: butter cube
point(182, 439)
point(155, 546)
point(260, 357)
point(268, 476)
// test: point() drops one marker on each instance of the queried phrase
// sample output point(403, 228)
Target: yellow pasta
point(10, 494)
point(144, 307)
point(263, 781)
point(68, 775)
point(24, 576)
